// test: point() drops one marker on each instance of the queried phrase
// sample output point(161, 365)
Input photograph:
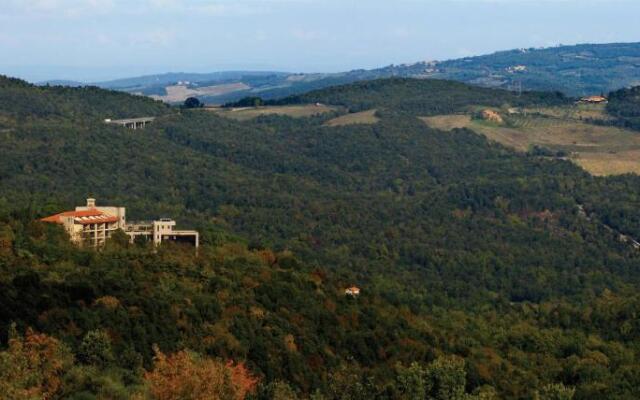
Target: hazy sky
point(100, 39)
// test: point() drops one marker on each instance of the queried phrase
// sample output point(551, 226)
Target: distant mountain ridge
point(62, 82)
point(574, 70)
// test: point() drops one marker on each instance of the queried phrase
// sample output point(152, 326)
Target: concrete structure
point(131, 123)
point(119, 212)
point(91, 226)
point(161, 230)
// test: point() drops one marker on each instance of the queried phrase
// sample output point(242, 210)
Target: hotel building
point(91, 226)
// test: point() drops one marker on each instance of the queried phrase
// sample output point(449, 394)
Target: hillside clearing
point(602, 164)
point(578, 112)
point(179, 93)
point(296, 111)
point(601, 150)
point(364, 117)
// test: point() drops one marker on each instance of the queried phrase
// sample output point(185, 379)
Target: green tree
point(277, 390)
point(193, 102)
point(556, 391)
point(411, 382)
point(95, 349)
point(445, 379)
point(119, 239)
point(348, 383)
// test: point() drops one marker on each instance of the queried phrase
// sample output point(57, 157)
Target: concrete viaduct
point(131, 123)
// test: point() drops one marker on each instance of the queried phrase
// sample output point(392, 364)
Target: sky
point(94, 40)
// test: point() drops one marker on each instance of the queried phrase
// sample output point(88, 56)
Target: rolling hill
point(574, 70)
point(485, 272)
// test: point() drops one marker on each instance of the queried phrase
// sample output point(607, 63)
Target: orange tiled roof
point(92, 216)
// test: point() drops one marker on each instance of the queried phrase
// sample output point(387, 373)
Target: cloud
point(8, 40)
point(401, 32)
point(79, 8)
point(532, 1)
point(154, 38)
point(82, 8)
point(68, 8)
point(221, 7)
point(306, 34)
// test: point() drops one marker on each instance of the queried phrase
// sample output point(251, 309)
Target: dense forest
point(484, 273)
point(19, 99)
point(624, 104)
point(420, 97)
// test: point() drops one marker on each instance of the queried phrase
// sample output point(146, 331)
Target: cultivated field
point(363, 117)
point(179, 93)
point(297, 111)
point(615, 163)
point(579, 112)
point(598, 149)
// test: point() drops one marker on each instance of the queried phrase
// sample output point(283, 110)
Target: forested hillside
point(575, 70)
point(420, 97)
point(19, 99)
point(484, 272)
point(624, 104)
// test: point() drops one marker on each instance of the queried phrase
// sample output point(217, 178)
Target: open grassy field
point(297, 111)
point(578, 112)
point(601, 150)
point(617, 163)
point(363, 117)
point(179, 93)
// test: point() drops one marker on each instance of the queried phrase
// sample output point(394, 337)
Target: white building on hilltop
point(92, 225)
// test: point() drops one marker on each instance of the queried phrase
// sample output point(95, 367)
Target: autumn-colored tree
point(33, 366)
point(188, 376)
point(242, 379)
point(6, 240)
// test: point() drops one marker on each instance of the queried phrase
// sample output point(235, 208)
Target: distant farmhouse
point(353, 291)
point(516, 68)
point(91, 226)
point(594, 100)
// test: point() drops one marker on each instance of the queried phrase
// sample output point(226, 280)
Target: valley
point(319, 200)
point(476, 254)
